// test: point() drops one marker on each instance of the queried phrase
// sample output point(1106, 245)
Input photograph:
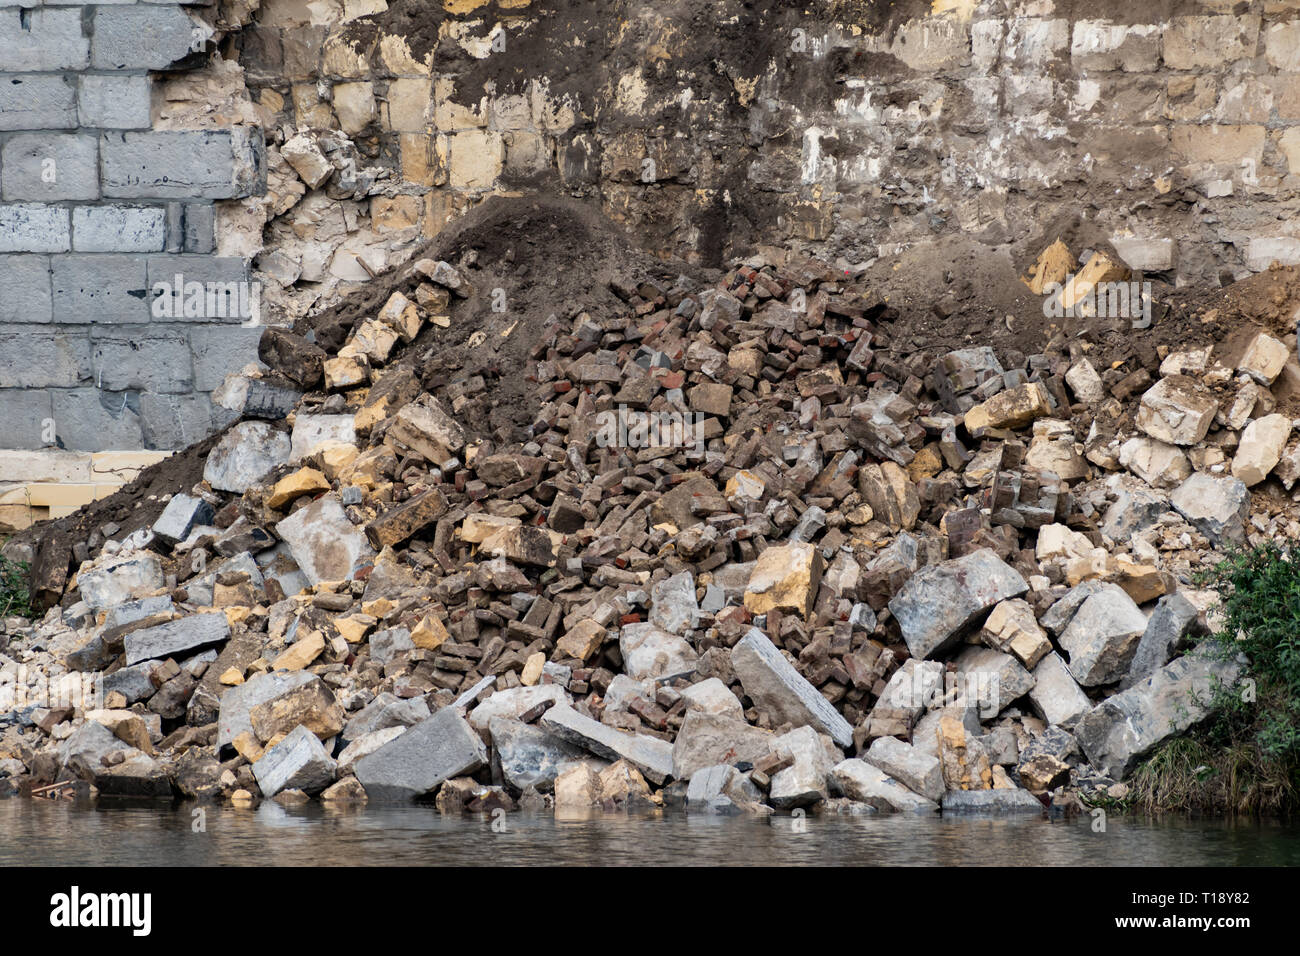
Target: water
point(37, 832)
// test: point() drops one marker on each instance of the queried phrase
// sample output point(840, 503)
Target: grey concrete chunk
point(310, 432)
point(237, 702)
point(807, 781)
point(134, 682)
point(326, 545)
point(915, 769)
point(244, 456)
point(1217, 507)
point(939, 602)
point(774, 685)
point(990, 801)
point(1173, 619)
point(386, 710)
point(1056, 695)
point(652, 756)
point(861, 781)
point(992, 678)
point(649, 651)
point(705, 739)
point(438, 748)
point(1122, 729)
point(1103, 635)
point(121, 578)
point(529, 755)
point(514, 702)
point(123, 363)
point(722, 789)
point(672, 604)
point(185, 634)
point(298, 762)
point(182, 513)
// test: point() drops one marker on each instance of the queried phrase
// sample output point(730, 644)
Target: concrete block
point(49, 166)
point(118, 228)
point(201, 289)
point(33, 227)
point(50, 464)
point(87, 419)
point(24, 412)
point(152, 358)
point(166, 640)
point(172, 422)
point(184, 164)
point(25, 289)
point(43, 40)
point(145, 37)
point(200, 234)
point(114, 102)
point(46, 101)
point(44, 357)
point(100, 288)
point(219, 350)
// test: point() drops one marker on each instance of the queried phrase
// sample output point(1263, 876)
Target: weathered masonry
point(300, 146)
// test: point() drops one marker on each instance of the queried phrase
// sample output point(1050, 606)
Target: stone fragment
point(866, 783)
point(650, 755)
point(1102, 636)
point(1177, 411)
point(174, 637)
point(774, 685)
point(1264, 359)
point(1122, 729)
point(120, 579)
point(1260, 448)
point(937, 603)
point(707, 739)
point(1056, 696)
point(1012, 628)
point(650, 652)
point(785, 577)
point(1216, 506)
point(529, 755)
point(915, 769)
point(182, 514)
point(297, 762)
point(992, 678)
point(990, 801)
point(1012, 408)
point(245, 455)
point(439, 747)
point(324, 543)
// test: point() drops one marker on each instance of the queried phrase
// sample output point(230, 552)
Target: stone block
point(100, 288)
point(37, 101)
point(25, 294)
point(141, 37)
point(33, 227)
point(113, 102)
point(47, 167)
point(113, 228)
point(184, 164)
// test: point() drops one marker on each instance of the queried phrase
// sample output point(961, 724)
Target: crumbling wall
point(857, 129)
point(107, 212)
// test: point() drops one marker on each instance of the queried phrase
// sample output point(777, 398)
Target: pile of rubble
point(843, 576)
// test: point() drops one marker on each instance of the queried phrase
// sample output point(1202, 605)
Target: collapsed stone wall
point(711, 128)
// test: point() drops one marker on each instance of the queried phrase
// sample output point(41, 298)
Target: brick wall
point(99, 215)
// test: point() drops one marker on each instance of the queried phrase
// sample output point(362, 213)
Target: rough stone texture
point(1056, 695)
point(1103, 635)
point(1177, 411)
point(866, 783)
point(990, 801)
point(1216, 506)
point(530, 757)
point(298, 762)
point(1172, 620)
point(707, 739)
point(651, 652)
point(438, 748)
point(939, 601)
point(185, 634)
point(775, 686)
point(992, 678)
point(237, 703)
point(650, 755)
point(245, 455)
point(326, 545)
point(1118, 732)
point(915, 769)
point(1260, 449)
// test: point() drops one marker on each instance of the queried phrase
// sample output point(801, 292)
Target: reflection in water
point(36, 832)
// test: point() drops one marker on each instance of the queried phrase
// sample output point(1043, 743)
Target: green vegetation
point(1246, 758)
point(14, 597)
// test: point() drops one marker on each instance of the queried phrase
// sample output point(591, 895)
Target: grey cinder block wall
point(117, 319)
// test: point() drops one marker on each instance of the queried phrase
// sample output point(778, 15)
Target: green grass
point(14, 596)
point(1246, 757)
